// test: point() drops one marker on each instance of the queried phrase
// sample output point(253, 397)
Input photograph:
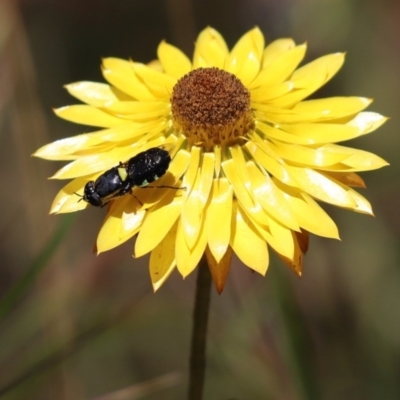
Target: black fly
point(140, 170)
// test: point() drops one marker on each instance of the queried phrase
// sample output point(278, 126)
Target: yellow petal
point(367, 121)
point(94, 93)
point(218, 218)
point(321, 133)
point(321, 187)
point(281, 68)
point(188, 259)
point(271, 198)
point(282, 238)
point(357, 160)
point(296, 262)
point(120, 73)
point(131, 216)
point(71, 204)
point(320, 157)
point(247, 243)
point(160, 84)
point(275, 49)
point(333, 107)
point(192, 212)
point(321, 110)
point(130, 131)
point(162, 259)
point(180, 163)
point(347, 178)
point(155, 138)
point(155, 193)
point(174, 144)
point(361, 160)
point(218, 158)
point(157, 223)
point(277, 236)
point(155, 64)
point(245, 58)
point(244, 194)
point(276, 168)
point(191, 218)
point(138, 110)
point(309, 213)
point(311, 77)
point(63, 149)
point(174, 62)
point(100, 148)
point(219, 270)
point(265, 94)
point(206, 180)
point(363, 205)
point(88, 115)
point(269, 132)
point(114, 231)
point(278, 115)
point(100, 141)
point(327, 65)
point(240, 164)
point(67, 200)
point(191, 173)
point(210, 50)
point(94, 163)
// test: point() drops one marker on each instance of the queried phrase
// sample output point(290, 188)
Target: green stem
point(197, 366)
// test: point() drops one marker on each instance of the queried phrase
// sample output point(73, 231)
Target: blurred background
point(76, 326)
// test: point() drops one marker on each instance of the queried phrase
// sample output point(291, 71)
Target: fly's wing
point(148, 166)
point(109, 184)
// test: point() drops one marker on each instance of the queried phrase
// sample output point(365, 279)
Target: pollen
point(211, 107)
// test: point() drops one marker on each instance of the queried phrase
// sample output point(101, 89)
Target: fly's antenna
point(79, 195)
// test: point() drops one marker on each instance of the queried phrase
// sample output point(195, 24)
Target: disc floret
point(211, 107)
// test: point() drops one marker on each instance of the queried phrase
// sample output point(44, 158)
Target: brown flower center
point(211, 107)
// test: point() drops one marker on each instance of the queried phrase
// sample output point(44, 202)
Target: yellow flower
point(252, 154)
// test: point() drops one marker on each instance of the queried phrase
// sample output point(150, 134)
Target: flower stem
point(199, 334)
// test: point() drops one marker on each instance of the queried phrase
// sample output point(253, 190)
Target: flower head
point(251, 154)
